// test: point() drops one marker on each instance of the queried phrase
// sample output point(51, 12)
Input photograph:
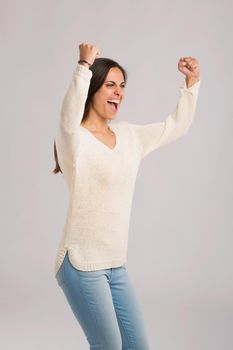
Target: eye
point(123, 86)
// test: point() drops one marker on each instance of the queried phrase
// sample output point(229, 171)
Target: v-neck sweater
point(101, 180)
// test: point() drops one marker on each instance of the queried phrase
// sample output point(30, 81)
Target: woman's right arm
point(72, 112)
point(73, 105)
point(74, 100)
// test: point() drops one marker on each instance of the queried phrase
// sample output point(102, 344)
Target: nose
point(117, 91)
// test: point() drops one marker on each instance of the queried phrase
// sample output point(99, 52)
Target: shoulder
point(127, 130)
point(120, 125)
point(123, 127)
point(126, 127)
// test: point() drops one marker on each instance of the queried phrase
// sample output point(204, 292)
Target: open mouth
point(113, 106)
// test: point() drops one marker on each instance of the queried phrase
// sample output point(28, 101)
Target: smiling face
point(111, 90)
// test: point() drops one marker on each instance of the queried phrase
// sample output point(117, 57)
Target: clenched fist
point(190, 67)
point(88, 52)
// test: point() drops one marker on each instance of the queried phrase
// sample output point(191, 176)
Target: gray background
point(180, 239)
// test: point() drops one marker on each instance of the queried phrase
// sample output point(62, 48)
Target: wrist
point(84, 63)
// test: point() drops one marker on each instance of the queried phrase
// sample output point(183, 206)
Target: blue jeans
point(105, 305)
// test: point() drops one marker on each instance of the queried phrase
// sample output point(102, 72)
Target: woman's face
point(112, 89)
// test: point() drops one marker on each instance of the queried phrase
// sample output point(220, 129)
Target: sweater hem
point(86, 265)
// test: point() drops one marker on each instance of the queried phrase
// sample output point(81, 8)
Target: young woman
point(100, 165)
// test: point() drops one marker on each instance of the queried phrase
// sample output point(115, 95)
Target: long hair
point(100, 69)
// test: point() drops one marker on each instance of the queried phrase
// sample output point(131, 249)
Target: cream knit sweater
point(101, 180)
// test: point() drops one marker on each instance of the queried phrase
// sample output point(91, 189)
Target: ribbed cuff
point(194, 88)
point(83, 71)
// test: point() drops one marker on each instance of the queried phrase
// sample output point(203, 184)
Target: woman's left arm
point(154, 135)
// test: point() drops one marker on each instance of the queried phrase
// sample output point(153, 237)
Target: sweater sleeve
point(72, 109)
point(154, 135)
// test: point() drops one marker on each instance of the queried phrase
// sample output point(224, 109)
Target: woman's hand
point(190, 67)
point(88, 52)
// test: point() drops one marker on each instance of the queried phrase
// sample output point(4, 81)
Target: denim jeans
point(105, 305)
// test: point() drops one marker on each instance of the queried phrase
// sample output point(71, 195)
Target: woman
point(100, 165)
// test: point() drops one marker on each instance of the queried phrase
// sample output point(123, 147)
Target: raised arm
point(67, 137)
point(154, 135)
point(74, 101)
point(72, 109)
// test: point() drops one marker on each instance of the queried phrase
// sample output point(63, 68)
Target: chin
point(112, 117)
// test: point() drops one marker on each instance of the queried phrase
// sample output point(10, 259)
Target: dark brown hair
point(100, 69)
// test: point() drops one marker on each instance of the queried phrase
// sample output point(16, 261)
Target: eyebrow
point(111, 81)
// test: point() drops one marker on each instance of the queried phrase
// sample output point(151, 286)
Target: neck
point(96, 123)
